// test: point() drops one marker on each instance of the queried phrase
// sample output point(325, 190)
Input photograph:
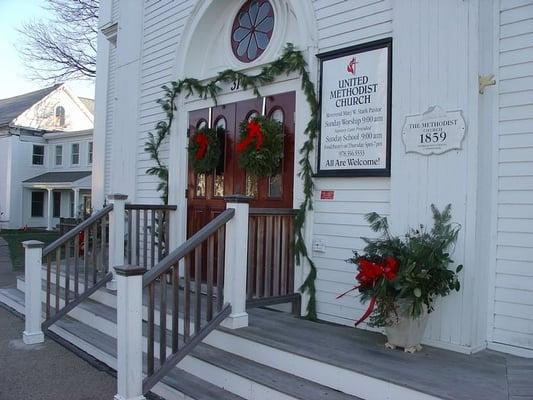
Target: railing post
point(236, 256)
point(33, 279)
point(129, 332)
point(116, 235)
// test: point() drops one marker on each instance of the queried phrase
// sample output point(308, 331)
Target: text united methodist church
point(257, 144)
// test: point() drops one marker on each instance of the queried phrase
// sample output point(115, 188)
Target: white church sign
point(355, 101)
point(433, 132)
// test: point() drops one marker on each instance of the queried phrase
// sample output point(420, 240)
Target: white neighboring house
point(46, 156)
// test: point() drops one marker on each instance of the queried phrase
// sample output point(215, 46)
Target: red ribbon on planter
point(202, 141)
point(254, 132)
point(369, 273)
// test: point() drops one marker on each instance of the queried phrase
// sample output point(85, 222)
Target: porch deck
point(441, 373)
point(435, 372)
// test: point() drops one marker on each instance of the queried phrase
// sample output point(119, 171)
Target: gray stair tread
point(14, 294)
point(196, 387)
point(280, 381)
point(178, 379)
point(438, 372)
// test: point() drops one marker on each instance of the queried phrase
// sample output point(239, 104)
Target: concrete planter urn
point(407, 332)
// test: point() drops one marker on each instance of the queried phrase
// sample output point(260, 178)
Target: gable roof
point(89, 103)
point(12, 107)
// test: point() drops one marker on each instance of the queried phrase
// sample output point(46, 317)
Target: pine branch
point(291, 61)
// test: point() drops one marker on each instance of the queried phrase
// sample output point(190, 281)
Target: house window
point(90, 153)
point(37, 204)
point(75, 156)
point(38, 155)
point(56, 212)
point(59, 118)
point(59, 155)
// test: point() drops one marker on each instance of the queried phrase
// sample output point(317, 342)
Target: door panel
point(277, 191)
point(244, 110)
point(205, 194)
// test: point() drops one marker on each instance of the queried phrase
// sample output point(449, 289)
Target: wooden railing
point(66, 224)
point(270, 277)
point(196, 308)
point(81, 255)
point(147, 233)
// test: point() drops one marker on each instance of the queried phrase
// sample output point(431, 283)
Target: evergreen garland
point(291, 61)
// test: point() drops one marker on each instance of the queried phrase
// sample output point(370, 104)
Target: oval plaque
point(434, 132)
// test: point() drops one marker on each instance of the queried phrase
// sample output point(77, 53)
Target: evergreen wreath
point(205, 150)
point(291, 61)
point(261, 147)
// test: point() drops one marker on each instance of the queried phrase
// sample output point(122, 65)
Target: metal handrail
point(190, 244)
point(73, 232)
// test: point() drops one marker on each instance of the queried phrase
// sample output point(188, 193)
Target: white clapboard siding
point(111, 106)
point(340, 223)
point(164, 21)
point(513, 295)
point(434, 64)
point(343, 23)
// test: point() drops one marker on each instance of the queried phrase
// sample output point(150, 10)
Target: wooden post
point(236, 256)
point(32, 293)
point(49, 215)
point(76, 203)
point(129, 332)
point(116, 235)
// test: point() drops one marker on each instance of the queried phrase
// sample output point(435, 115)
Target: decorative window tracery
point(252, 30)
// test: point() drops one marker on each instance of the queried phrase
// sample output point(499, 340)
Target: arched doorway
point(202, 54)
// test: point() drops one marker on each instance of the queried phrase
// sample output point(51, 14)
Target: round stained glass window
point(252, 30)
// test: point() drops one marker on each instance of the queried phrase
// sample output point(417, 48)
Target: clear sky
point(13, 74)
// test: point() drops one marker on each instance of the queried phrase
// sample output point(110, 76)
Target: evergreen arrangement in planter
point(402, 276)
point(261, 146)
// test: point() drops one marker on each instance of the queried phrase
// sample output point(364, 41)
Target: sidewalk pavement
point(45, 371)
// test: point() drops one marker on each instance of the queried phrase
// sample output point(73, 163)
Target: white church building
point(386, 106)
point(441, 57)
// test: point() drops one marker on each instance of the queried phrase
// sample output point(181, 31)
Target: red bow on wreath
point(202, 141)
point(369, 273)
point(254, 132)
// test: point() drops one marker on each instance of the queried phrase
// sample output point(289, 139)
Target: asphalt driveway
point(44, 371)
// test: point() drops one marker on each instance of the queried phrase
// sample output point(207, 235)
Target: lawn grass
point(15, 237)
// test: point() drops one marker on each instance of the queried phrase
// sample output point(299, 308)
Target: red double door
point(206, 192)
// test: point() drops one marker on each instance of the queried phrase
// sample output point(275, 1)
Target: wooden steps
point(92, 327)
point(279, 356)
point(177, 384)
